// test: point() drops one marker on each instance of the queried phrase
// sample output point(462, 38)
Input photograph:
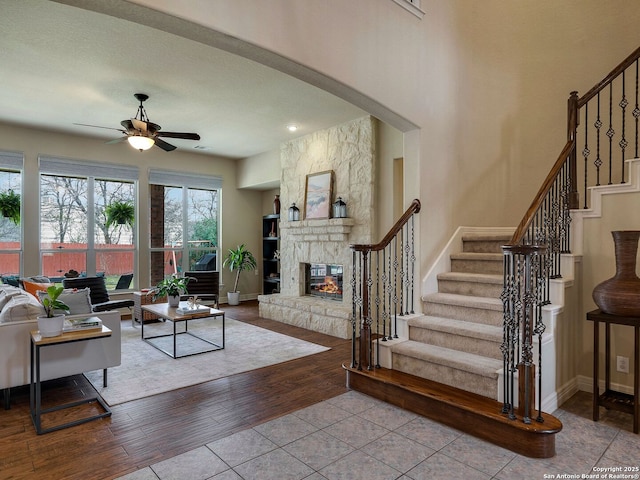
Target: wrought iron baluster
point(598, 124)
point(610, 132)
point(402, 271)
point(354, 303)
point(636, 112)
point(586, 151)
point(377, 300)
point(623, 140)
point(413, 261)
point(395, 286)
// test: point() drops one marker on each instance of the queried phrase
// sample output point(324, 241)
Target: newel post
point(522, 301)
point(365, 326)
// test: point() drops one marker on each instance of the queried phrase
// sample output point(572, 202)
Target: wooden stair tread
point(466, 411)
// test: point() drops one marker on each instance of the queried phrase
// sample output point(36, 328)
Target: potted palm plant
point(52, 323)
point(172, 288)
point(238, 260)
point(10, 206)
point(119, 213)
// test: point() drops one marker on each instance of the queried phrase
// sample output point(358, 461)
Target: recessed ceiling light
point(292, 128)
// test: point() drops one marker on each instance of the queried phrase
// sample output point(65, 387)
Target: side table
point(35, 389)
point(144, 298)
point(610, 398)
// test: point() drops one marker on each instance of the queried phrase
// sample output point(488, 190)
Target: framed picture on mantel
point(318, 194)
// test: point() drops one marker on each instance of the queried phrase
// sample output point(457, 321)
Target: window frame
point(91, 172)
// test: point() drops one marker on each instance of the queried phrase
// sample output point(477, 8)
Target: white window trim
point(413, 7)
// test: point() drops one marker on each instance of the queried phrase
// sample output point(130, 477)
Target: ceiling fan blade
point(186, 136)
point(167, 147)
point(117, 140)
point(98, 126)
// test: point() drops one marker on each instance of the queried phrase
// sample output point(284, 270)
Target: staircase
point(447, 362)
point(457, 340)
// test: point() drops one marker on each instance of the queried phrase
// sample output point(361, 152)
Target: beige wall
point(485, 82)
point(260, 171)
point(241, 210)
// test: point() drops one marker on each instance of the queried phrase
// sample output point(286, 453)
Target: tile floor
point(354, 437)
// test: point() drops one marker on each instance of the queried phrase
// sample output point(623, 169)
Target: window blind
point(11, 160)
point(180, 179)
point(83, 168)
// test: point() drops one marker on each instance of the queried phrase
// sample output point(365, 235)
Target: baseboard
point(585, 384)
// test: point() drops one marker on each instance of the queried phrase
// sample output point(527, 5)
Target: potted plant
point(172, 288)
point(119, 213)
point(238, 260)
point(52, 323)
point(10, 206)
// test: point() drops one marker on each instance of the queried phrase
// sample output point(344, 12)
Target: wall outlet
point(622, 364)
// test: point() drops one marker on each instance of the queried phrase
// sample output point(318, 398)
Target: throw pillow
point(78, 301)
point(21, 307)
point(7, 293)
point(33, 288)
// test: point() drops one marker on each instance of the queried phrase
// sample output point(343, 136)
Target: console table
point(610, 398)
point(35, 389)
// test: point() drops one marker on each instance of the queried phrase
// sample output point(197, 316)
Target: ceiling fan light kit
point(141, 143)
point(143, 134)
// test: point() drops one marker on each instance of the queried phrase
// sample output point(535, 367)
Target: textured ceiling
point(63, 65)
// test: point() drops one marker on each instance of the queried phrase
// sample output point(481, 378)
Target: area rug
point(146, 371)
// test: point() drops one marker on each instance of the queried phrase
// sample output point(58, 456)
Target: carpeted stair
point(457, 340)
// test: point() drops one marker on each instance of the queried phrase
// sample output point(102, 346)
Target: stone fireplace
point(348, 150)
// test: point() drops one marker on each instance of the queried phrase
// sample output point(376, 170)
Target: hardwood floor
point(152, 429)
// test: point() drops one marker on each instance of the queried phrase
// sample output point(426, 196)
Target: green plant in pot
point(172, 288)
point(10, 206)
point(239, 260)
point(52, 323)
point(119, 213)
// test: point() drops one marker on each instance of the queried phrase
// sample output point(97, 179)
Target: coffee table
point(163, 310)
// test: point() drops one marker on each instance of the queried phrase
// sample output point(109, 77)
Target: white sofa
point(56, 361)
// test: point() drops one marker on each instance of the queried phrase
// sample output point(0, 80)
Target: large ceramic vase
point(620, 295)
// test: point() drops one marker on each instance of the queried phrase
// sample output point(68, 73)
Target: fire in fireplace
point(324, 280)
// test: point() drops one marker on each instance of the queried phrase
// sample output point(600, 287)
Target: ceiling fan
point(143, 134)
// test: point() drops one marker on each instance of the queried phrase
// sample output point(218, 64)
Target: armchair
point(205, 284)
point(100, 300)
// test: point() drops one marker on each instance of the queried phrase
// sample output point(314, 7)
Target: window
point(10, 215)
point(87, 219)
point(184, 223)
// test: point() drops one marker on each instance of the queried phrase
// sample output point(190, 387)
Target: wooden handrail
point(413, 208)
point(542, 193)
point(626, 63)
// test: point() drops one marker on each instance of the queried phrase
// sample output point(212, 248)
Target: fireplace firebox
point(323, 280)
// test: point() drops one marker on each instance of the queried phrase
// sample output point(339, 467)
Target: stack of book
point(75, 324)
point(196, 309)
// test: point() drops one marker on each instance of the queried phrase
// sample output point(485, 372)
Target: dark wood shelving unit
point(270, 243)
